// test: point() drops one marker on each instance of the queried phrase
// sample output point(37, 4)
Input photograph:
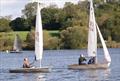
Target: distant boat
point(17, 46)
point(38, 47)
point(92, 45)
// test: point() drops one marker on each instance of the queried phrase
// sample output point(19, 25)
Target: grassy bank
point(7, 39)
point(22, 34)
point(11, 35)
point(54, 32)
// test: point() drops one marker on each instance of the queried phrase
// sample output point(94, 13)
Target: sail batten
point(38, 35)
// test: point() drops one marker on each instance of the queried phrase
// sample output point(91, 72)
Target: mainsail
point(92, 34)
point(38, 35)
point(17, 43)
point(92, 37)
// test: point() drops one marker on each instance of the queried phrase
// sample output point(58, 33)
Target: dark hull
point(15, 51)
point(30, 70)
point(88, 66)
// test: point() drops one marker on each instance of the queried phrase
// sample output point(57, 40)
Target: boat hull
point(30, 70)
point(88, 66)
point(15, 51)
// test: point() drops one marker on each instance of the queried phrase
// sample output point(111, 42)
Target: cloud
point(6, 2)
point(48, 1)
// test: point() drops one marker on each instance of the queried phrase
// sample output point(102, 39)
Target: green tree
point(74, 37)
point(49, 41)
point(4, 24)
point(75, 15)
point(51, 18)
point(20, 24)
point(109, 23)
point(29, 13)
point(30, 41)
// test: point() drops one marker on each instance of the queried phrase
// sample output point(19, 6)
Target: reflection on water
point(107, 73)
point(37, 77)
point(93, 75)
point(40, 77)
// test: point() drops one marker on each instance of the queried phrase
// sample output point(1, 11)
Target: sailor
point(92, 61)
point(81, 59)
point(26, 63)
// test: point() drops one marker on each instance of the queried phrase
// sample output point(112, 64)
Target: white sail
point(17, 43)
point(38, 35)
point(92, 34)
point(106, 53)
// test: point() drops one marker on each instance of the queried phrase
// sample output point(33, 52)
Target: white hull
point(88, 66)
point(30, 70)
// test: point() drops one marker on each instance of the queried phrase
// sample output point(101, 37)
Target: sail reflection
point(107, 73)
point(93, 75)
point(40, 77)
point(36, 77)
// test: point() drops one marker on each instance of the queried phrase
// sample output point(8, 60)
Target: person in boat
point(92, 61)
point(26, 63)
point(82, 59)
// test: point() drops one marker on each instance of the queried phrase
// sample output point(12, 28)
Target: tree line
point(71, 21)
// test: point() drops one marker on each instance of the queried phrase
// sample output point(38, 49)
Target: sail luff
point(38, 35)
point(92, 34)
point(15, 43)
point(106, 52)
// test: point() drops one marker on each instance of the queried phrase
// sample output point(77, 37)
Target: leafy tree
point(19, 24)
point(4, 25)
point(51, 18)
point(75, 15)
point(49, 41)
point(30, 40)
point(74, 37)
point(109, 23)
point(29, 13)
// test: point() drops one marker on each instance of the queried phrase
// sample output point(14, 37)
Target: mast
point(92, 34)
point(38, 35)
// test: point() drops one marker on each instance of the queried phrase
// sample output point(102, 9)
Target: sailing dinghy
point(92, 45)
point(38, 48)
point(17, 47)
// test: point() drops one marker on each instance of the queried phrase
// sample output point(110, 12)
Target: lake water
point(58, 61)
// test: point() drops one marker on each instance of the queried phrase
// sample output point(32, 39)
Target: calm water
point(58, 60)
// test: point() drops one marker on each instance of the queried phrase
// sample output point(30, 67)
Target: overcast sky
point(14, 7)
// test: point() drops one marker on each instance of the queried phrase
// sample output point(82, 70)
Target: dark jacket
point(81, 60)
point(92, 61)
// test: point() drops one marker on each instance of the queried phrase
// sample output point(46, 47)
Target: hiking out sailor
point(26, 63)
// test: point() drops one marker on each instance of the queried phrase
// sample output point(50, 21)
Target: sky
point(14, 7)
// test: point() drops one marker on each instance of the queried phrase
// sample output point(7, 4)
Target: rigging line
point(33, 61)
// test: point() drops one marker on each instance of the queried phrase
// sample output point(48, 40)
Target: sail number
point(37, 36)
point(91, 26)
